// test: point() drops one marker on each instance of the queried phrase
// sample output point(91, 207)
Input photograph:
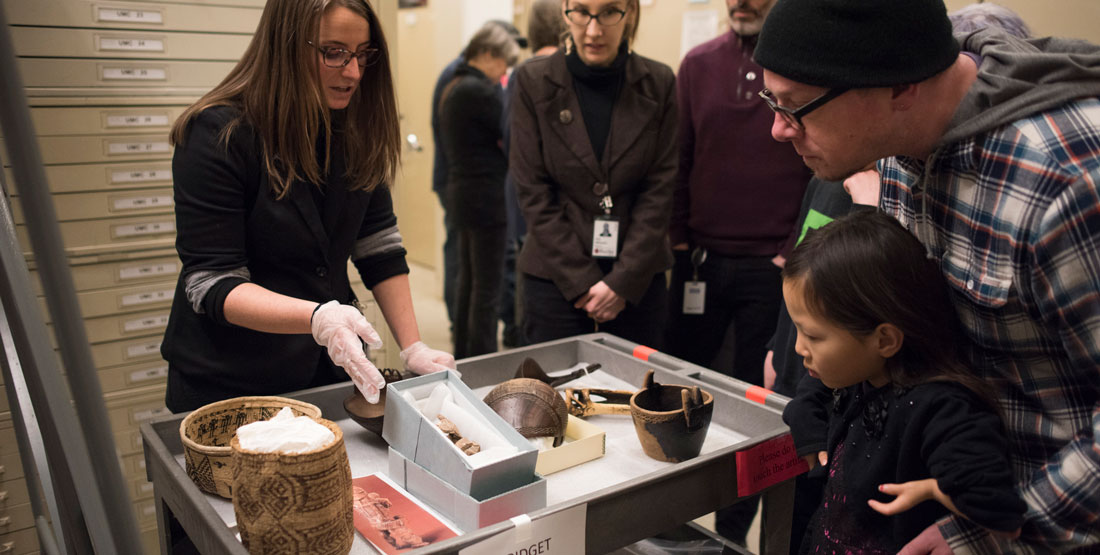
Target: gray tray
point(617, 515)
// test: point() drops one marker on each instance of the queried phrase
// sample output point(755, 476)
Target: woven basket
point(300, 503)
point(206, 434)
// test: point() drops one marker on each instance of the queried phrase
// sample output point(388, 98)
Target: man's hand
point(813, 459)
point(911, 494)
point(601, 303)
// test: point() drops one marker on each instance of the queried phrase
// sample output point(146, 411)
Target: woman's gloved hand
point(421, 359)
point(342, 330)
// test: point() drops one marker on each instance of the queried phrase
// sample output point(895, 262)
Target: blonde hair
point(276, 86)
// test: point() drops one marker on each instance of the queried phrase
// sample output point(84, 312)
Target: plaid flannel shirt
point(1013, 217)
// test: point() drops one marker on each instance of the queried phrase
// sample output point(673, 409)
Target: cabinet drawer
point(127, 410)
point(13, 493)
point(146, 513)
point(128, 376)
point(125, 326)
point(98, 275)
point(150, 538)
point(8, 444)
point(22, 542)
point(88, 206)
point(140, 488)
point(50, 72)
point(86, 149)
point(130, 299)
point(134, 465)
point(111, 43)
point(128, 442)
point(15, 518)
point(118, 353)
point(102, 177)
point(134, 15)
point(104, 121)
point(11, 466)
point(116, 234)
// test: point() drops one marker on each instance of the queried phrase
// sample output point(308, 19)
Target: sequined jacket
point(890, 435)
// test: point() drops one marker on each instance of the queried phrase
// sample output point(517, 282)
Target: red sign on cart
point(767, 464)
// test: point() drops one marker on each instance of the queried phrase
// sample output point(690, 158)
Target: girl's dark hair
point(865, 269)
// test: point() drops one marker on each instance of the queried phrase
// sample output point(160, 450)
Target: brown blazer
point(556, 172)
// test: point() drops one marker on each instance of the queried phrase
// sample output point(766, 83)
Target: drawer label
point(139, 148)
point(142, 203)
point(141, 45)
point(147, 270)
point(767, 464)
point(148, 297)
point(135, 73)
point(147, 323)
point(138, 120)
point(129, 16)
point(151, 228)
point(143, 350)
point(141, 176)
point(143, 415)
point(149, 374)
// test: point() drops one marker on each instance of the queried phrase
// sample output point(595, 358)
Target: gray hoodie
point(1019, 77)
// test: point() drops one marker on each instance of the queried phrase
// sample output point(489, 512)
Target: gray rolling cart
point(617, 514)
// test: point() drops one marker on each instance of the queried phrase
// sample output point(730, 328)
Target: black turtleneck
point(597, 88)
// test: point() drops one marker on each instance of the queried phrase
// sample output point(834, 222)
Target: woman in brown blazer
point(593, 154)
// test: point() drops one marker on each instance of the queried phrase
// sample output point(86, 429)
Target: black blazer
point(227, 218)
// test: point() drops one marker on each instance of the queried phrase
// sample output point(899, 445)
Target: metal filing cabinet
point(106, 79)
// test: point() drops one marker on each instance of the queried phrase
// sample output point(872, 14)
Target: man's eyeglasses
point(337, 57)
point(794, 117)
point(606, 18)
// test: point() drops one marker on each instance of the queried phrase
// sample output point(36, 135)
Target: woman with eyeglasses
point(593, 148)
point(281, 175)
point(469, 112)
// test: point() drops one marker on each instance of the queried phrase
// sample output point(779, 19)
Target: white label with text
point(141, 176)
point(130, 16)
point(147, 270)
point(142, 203)
point(135, 73)
point(141, 45)
point(138, 120)
point(148, 297)
point(151, 228)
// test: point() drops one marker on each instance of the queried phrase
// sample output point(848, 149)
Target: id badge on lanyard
point(695, 291)
point(605, 232)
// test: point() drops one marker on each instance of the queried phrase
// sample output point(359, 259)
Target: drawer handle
point(7, 547)
point(3, 496)
point(5, 521)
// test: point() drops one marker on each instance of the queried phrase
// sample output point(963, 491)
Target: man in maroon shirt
point(737, 198)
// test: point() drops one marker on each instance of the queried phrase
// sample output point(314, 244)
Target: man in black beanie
point(989, 150)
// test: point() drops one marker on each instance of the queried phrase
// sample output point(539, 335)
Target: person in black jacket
point(470, 111)
point(907, 432)
point(281, 176)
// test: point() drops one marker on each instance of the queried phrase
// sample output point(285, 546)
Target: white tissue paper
point(285, 433)
point(494, 447)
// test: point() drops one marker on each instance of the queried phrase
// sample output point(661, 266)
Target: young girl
point(906, 433)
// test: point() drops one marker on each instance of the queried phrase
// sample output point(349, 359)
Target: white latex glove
point(421, 359)
point(342, 330)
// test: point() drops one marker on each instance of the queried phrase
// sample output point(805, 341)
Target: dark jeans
point(513, 336)
point(742, 304)
point(547, 315)
point(743, 296)
point(450, 257)
point(477, 290)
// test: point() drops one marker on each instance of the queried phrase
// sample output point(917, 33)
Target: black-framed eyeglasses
point(605, 18)
point(794, 117)
point(336, 57)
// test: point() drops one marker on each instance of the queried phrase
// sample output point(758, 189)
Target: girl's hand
point(813, 459)
point(911, 494)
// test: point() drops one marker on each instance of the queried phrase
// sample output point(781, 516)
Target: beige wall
point(659, 33)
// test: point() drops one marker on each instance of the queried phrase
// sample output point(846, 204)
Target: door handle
point(414, 143)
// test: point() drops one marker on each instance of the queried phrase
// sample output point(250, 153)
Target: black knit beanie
point(857, 43)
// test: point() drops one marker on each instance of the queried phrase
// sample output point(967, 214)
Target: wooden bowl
point(366, 414)
point(207, 432)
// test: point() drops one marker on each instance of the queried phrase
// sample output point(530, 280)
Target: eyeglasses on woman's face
point(606, 18)
point(794, 116)
point(336, 57)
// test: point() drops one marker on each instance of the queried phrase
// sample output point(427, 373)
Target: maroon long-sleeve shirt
point(738, 191)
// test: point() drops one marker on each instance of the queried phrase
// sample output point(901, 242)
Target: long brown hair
point(865, 269)
point(276, 85)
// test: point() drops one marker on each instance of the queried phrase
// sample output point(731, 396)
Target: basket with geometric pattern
point(206, 434)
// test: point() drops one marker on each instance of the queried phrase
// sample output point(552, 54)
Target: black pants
point(548, 315)
point(742, 304)
point(477, 290)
